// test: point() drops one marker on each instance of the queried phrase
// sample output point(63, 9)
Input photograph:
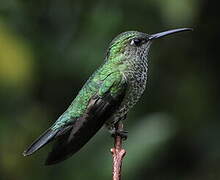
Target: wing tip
point(29, 151)
point(26, 153)
point(45, 138)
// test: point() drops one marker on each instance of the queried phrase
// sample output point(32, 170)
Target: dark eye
point(136, 42)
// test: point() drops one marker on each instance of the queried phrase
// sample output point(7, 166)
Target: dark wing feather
point(44, 139)
point(85, 127)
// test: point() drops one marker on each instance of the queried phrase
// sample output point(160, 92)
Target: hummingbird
point(106, 97)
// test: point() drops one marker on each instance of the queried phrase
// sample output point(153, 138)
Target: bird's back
point(92, 86)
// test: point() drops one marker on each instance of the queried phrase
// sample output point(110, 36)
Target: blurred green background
point(48, 49)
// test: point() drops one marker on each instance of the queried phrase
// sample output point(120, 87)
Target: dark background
point(48, 49)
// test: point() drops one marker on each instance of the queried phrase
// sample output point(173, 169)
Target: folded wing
point(84, 128)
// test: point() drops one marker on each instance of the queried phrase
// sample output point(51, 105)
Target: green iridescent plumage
point(107, 78)
point(105, 98)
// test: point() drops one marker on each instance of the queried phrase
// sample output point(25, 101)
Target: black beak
point(165, 33)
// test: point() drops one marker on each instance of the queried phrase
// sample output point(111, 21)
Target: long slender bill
point(165, 33)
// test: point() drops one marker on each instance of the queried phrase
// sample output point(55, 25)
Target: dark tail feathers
point(45, 138)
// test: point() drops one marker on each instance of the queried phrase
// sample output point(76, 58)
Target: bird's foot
point(123, 134)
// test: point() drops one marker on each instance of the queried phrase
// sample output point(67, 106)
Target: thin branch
point(117, 154)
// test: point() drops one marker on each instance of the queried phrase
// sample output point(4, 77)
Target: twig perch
point(117, 154)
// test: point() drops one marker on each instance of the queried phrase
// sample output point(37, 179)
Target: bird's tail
point(45, 138)
point(73, 140)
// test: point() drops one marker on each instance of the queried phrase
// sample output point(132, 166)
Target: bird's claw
point(123, 134)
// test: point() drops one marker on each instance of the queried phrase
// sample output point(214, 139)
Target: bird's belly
point(134, 93)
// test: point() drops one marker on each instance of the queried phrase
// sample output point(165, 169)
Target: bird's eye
point(136, 42)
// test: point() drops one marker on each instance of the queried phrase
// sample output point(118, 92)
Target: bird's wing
point(70, 138)
point(100, 107)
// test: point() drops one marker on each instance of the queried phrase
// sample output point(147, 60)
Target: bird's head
point(134, 44)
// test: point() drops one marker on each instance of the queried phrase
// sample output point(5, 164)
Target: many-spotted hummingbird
point(106, 97)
